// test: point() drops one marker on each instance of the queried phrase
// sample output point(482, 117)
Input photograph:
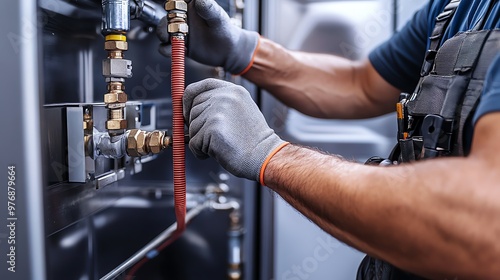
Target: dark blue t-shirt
point(399, 60)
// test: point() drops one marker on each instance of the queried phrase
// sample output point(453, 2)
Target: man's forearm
point(321, 85)
point(422, 217)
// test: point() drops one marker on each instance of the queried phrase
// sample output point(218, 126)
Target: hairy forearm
point(425, 218)
point(321, 85)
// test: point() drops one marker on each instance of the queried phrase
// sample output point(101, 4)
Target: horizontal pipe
point(151, 246)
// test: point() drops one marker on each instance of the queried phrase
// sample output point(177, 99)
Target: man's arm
point(321, 85)
point(439, 218)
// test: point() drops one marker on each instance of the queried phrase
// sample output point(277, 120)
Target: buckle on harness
point(436, 132)
point(430, 55)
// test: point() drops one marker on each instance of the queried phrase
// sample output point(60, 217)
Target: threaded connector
point(142, 143)
point(177, 17)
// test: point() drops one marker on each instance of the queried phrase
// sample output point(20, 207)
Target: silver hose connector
point(115, 17)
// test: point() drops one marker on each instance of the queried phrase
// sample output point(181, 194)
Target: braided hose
point(179, 157)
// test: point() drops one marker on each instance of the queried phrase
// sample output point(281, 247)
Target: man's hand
point(226, 124)
point(213, 39)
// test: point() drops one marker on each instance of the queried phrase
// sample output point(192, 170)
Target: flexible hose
point(178, 149)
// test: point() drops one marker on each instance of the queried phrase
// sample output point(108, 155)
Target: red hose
point(178, 147)
point(179, 157)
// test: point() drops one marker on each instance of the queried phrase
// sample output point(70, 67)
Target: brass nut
point(115, 45)
point(177, 27)
point(179, 16)
point(136, 143)
point(116, 86)
point(115, 97)
point(116, 124)
point(176, 5)
point(155, 142)
point(88, 125)
point(167, 141)
point(113, 106)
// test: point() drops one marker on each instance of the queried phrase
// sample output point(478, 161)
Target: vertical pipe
point(115, 16)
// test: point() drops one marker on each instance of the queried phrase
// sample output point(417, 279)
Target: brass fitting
point(142, 143)
point(178, 27)
point(177, 16)
point(136, 143)
point(115, 97)
point(116, 124)
point(155, 142)
point(173, 15)
point(115, 69)
point(88, 123)
point(116, 45)
point(176, 5)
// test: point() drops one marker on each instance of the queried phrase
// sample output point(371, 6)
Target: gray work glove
point(226, 124)
point(213, 39)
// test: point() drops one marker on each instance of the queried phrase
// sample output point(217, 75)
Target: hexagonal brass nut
point(88, 125)
point(178, 27)
point(179, 16)
point(155, 142)
point(179, 5)
point(115, 97)
point(116, 124)
point(136, 143)
point(115, 45)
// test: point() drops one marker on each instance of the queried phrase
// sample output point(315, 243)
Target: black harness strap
point(442, 22)
point(438, 130)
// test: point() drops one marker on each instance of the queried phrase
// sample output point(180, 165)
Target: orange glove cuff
point(251, 61)
point(268, 159)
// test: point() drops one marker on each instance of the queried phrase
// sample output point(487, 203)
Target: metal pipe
point(134, 143)
point(235, 235)
point(151, 246)
point(115, 16)
point(147, 11)
point(108, 146)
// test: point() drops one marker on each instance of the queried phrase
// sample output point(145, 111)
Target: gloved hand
point(226, 124)
point(213, 39)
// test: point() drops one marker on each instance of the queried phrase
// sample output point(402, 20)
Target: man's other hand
point(213, 39)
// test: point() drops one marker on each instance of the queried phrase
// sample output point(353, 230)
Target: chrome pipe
point(150, 248)
point(115, 16)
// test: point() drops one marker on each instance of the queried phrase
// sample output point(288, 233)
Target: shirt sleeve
point(399, 60)
point(490, 99)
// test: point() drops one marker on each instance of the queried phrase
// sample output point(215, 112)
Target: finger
point(200, 104)
point(210, 11)
point(197, 88)
point(196, 141)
